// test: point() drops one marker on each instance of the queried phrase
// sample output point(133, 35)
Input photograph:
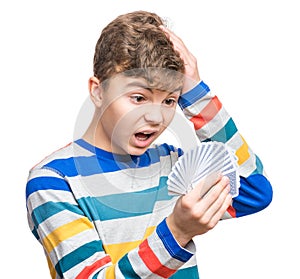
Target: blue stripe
point(77, 256)
point(125, 205)
point(255, 194)
point(171, 244)
point(46, 183)
point(104, 161)
point(126, 268)
point(189, 98)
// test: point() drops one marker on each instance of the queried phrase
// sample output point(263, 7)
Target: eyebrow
point(145, 86)
point(138, 84)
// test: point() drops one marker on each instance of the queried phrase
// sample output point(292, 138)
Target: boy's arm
point(73, 246)
point(212, 122)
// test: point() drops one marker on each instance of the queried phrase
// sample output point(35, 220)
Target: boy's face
point(133, 115)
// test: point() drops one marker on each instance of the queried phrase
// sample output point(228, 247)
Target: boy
point(100, 206)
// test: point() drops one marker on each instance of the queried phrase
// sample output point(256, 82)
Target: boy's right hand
point(195, 214)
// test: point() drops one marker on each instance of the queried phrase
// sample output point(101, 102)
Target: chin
point(137, 152)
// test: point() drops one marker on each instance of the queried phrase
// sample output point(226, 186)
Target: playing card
point(209, 158)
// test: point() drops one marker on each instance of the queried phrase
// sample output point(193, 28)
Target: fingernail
point(225, 179)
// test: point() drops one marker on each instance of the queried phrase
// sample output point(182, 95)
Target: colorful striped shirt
point(102, 215)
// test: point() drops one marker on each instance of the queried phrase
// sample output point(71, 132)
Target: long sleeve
point(212, 123)
point(65, 227)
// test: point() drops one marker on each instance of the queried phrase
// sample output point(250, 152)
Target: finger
point(190, 62)
point(220, 197)
point(221, 211)
point(206, 184)
point(212, 199)
point(211, 215)
point(177, 42)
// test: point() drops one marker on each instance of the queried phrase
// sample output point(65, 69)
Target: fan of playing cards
point(201, 162)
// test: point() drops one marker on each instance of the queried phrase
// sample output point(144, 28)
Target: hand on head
point(190, 62)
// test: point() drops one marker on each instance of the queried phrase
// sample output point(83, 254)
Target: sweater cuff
point(190, 97)
point(172, 246)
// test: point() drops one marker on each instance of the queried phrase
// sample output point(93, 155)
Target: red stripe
point(87, 271)
point(231, 211)
point(207, 114)
point(152, 262)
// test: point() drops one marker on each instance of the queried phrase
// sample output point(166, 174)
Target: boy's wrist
point(193, 95)
point(174, 247)
point(181, 239)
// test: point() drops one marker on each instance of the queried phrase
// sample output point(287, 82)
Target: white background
point(248, 53)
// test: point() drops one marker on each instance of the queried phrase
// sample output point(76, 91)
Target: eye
point(170, 102)
point(137, 98)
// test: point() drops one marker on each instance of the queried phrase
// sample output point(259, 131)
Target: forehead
point(162, 80)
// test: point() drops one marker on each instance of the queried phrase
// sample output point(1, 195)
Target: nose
point(154, 114)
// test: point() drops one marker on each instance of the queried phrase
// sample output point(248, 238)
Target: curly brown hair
point(134, 41)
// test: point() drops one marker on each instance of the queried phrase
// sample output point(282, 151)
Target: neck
point(95, 134)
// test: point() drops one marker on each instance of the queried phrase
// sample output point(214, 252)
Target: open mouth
point(143, 136)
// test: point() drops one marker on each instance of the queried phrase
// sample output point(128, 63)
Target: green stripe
point(77, 256)
point(125, 205)
point(49, 209)
point(259, 166)
point(226, 132)
point(126, 268)
point(186, 273)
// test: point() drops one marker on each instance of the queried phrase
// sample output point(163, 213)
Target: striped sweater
point(102, 215)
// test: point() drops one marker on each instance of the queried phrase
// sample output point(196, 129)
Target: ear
point(96, 91)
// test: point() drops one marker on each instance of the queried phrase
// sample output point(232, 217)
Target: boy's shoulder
point(65, 152)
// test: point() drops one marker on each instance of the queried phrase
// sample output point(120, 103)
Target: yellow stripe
point(117, 251)
point(243, 152)
point(110, 272)
point(149, 231)
point(51, 268)
point(66, 231)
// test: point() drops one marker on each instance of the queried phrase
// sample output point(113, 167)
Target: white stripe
point(64, 153)
point(214, 125)
point(40, 197)
point(162, 254)
point(118, 273)
point(198, 106)
point(37, 172)
point(235, 142)
point(248, 166)
point(128, 180)
point(68, 245)
point(59, 219)
point(226, 216)
point(190, 263)
point(124, 231)
point(139, 266)
point(73, 272)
